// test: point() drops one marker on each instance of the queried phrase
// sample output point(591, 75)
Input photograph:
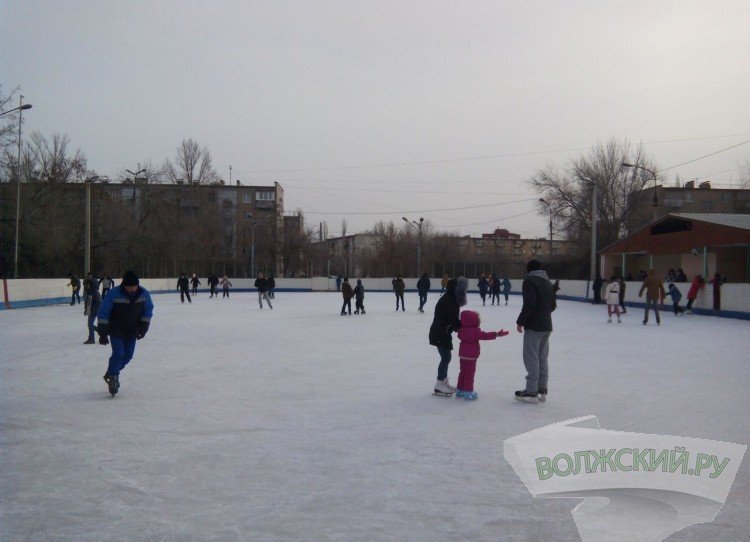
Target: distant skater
point(495, 289)
point(359, 298)
point(271, 287)
point(124, 317)
point(213, 282)
point(225, 285)
point(674, 293)
point(261, 283)
point(654, 295)
point(423, 286)
point(612, 295)
point(93, 302)
point(75, 284)
point(183, 285)
point(506, 290)
point(398, 289)
point(696, 286)
point(347, 293)
point(195, 282)
point(484, 287)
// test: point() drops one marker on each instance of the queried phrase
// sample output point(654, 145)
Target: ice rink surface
point(234, 423)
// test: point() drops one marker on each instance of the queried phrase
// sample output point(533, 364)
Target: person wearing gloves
point(124, 317)
point(359, 298)
point(468, 352)
point(612, 295)
point(676, 295)
point(347, 292)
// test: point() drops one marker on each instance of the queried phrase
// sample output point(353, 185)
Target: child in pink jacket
point(468, 352)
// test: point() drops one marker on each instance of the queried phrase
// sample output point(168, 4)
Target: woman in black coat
point(445, 322)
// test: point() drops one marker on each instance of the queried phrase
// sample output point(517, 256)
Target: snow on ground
point(296, 423)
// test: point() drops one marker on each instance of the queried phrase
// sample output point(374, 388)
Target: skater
point(697, 285)
point(444, 283)
point(271, 287)
point(506, 290)
point(654, 295)
point(681, 276)
point(468, 352)
point(338, 283)
point(183, 285)
point(347, 293)
point(92, 304)
point(213, 282)
point(398, 289)
point(359, 297)
point(124, 317)
point(612, 295)
point(676, 295)
point(597, 289)
point(535, 322)
point(195, 282)
point(225, 285)
point(423, 286)
point(623, 285)
point(484, 287)
point(445, 322)
point(495, 286)
point(75, 284)
point(261, 283)
point(717, 281)
point(107, 284)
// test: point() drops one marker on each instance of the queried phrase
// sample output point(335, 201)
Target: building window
point(706, 205)
point(478, 242)
point(212, 197)
point(247, 197)
point(725, 197)
point(264, 196)
point(226, 203)
point(248, 216)
point(688, 196)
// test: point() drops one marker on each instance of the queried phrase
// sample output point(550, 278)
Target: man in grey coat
point(535, 322)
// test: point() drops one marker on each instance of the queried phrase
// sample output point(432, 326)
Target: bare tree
point(192, 165)
point(569, 191)
point(745, 174)
point(49, 161)
point(8, 133)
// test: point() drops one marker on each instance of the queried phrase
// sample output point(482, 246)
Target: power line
point(706, 156)
point(422, 210)
point(469, 158)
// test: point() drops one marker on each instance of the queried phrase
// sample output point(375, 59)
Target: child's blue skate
point(471, 395)
point(461, 393)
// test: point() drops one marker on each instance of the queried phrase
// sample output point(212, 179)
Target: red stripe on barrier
point(5, 294)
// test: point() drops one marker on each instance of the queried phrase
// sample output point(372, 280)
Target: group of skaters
point(656, 294)
point(105, 281)
point(493, 285)
point(185, 284)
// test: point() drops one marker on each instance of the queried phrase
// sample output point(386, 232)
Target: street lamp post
point(252, 244)
point(550, 224)
point(592, 270)
point(655, 199)
point(87, 251)
point(21, 107)
point(417, 226)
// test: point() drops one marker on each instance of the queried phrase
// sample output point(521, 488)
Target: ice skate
point(526, 397)
point(113, 382)
point(609, 321)
point(448, 384)
point(442, 390)
point(542, 395)
point(89, 341)
point(460, 393)
point(471, 396)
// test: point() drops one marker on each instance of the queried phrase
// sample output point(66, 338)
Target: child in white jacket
point(612, 294)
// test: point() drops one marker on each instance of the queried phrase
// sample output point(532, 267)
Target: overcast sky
point(370, 110)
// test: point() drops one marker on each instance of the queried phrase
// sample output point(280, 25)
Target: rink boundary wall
point(22, 293)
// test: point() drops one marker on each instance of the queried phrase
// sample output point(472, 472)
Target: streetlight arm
point(24, 107)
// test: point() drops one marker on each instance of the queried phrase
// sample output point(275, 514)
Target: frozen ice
point(234, 423)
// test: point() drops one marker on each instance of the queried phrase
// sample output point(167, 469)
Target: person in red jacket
point(698, 284)
point(468, 352)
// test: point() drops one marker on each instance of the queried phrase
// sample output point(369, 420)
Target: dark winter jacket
point(124, 315)
point(506, 286)
point(483, 285)
point(359, 291)
point(183, 283)
point(271, 283)
point(539, 300)
point(213, 280)
point(398, 286)
point(423, 284)
point(261, 284)
point(495, 286)
point(195, 281)
point(93, 303)
point(675, 294)
point(346, 290)
point(653, 286)
point(446, 319)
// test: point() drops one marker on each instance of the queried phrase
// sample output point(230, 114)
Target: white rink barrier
point(735, 297)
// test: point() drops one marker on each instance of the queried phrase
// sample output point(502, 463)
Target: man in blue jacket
point(124, 317)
